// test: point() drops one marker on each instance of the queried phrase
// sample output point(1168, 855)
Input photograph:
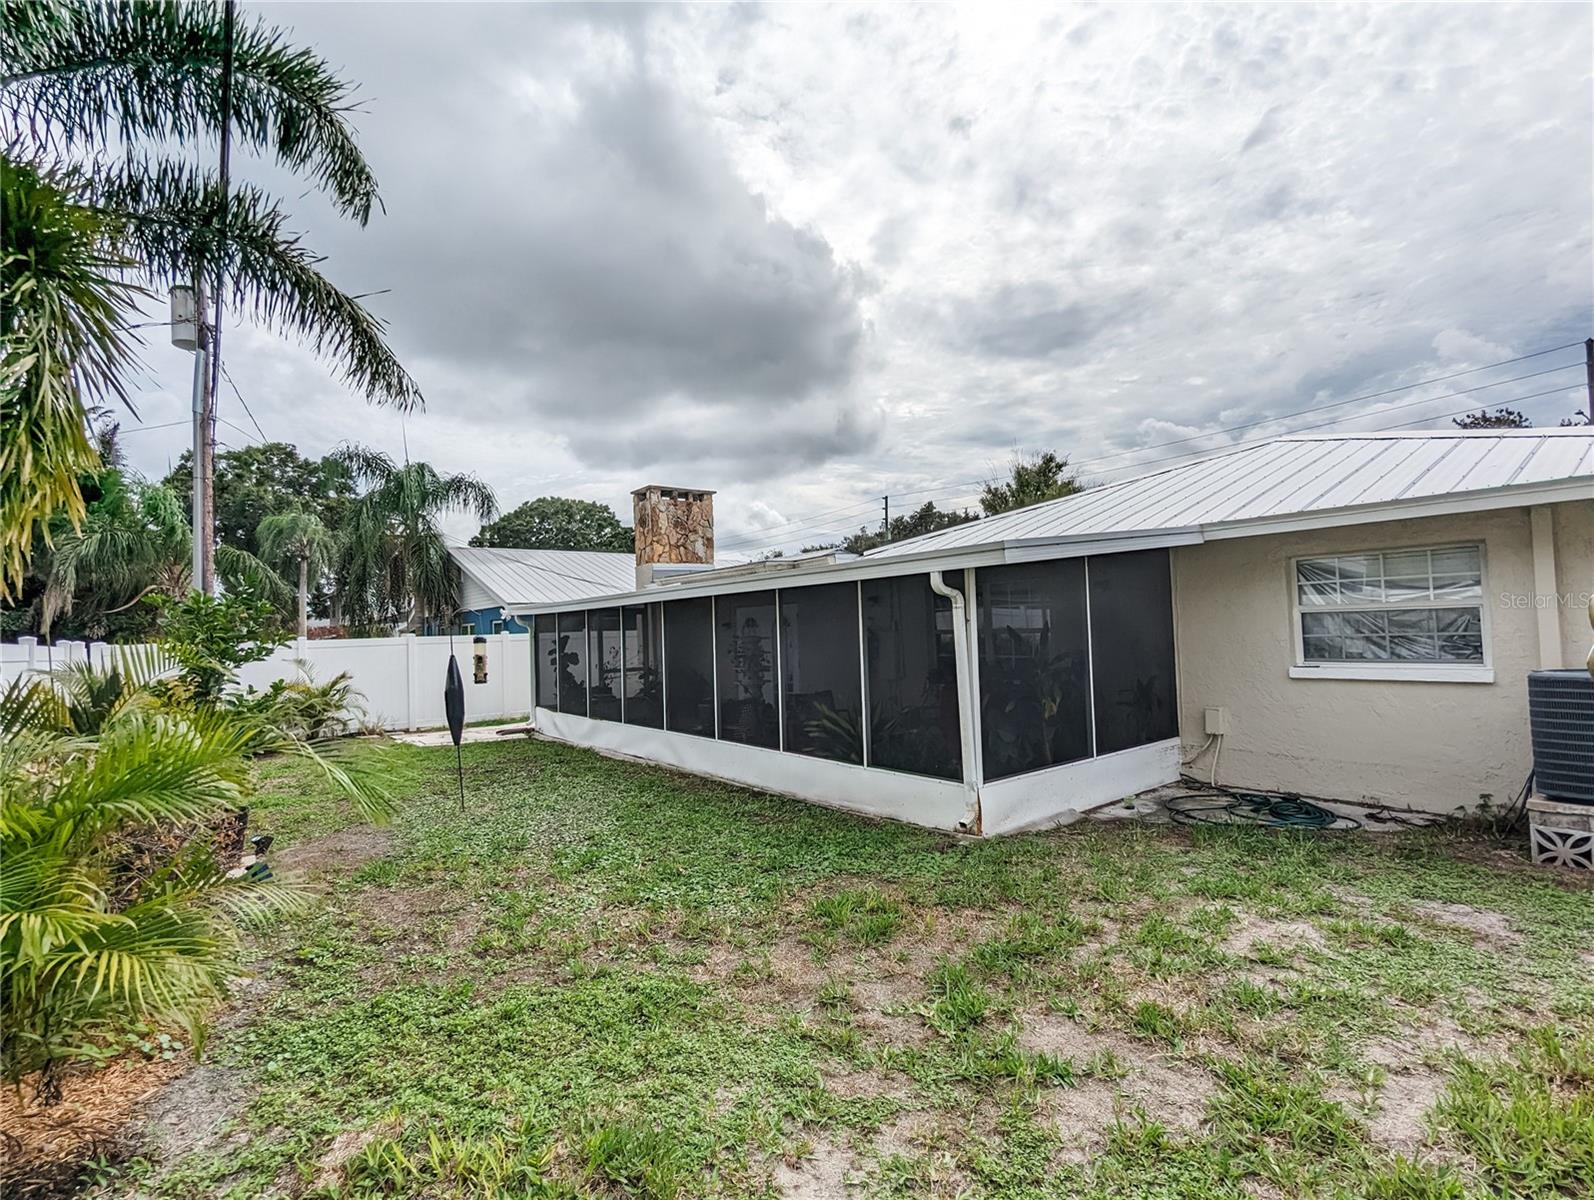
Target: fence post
point(99, 655)
point(412, 673)
point(30, 647)
point(501, 669)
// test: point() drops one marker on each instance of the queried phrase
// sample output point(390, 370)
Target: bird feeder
point(479, 656)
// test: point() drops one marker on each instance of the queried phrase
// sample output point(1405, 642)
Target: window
point(689, 666)
point(545, 658)
point(1034, 666)
point(1392, 613)
point(821, 672)
point(644, 682)
point(498, 626)
point(572, 663)
point(745, 674)
point(912, 678)
point(604, 664)
point(1131, 648)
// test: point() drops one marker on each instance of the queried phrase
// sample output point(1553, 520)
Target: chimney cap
point(674, 492)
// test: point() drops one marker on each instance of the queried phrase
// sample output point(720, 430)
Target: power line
point(809, 525)
point(228, 375)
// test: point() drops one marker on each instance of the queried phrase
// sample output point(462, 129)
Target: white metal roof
point(1290, 477)
point(1294, 482)
point(524, 577)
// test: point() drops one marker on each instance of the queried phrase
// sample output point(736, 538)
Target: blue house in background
point(493, 579)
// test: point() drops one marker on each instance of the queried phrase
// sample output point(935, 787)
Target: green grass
point(607, 980)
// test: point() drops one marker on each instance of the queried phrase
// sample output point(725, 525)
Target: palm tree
point(96, 103)
point(115, 909)
point(395, 565)
point(302, 539)
point(134, 540)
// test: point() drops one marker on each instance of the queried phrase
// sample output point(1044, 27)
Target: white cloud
point(807, 256)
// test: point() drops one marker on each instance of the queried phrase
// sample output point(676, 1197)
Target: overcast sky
point(806, 256)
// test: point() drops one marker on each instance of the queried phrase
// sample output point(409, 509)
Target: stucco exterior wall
point(1574, 570)
point(1433, 746)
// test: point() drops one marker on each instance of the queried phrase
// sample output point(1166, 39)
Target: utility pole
point(189, 333)
point(208, 382)
point(1588, 367)
point(885, 527)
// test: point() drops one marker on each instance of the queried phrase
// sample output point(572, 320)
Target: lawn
point(604, 979)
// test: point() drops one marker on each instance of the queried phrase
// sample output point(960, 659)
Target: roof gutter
point(960, 650)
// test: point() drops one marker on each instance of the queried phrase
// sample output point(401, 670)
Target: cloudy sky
point(807, 256)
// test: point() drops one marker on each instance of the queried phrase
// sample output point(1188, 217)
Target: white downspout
point(960, 651)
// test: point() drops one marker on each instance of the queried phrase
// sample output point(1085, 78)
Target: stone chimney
point(674, 526)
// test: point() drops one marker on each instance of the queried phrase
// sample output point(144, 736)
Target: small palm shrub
point(115, 909)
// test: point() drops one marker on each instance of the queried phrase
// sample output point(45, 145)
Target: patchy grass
point(607, 980)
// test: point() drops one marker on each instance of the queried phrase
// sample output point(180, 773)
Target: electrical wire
point(806, 525)
point(226, 374)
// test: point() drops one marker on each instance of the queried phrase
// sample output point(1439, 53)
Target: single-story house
point(1350, 616)
point(492, 579)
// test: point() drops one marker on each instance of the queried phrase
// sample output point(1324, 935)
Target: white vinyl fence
point(400, 679)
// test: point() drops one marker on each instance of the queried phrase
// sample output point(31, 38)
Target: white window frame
point(1405, 672)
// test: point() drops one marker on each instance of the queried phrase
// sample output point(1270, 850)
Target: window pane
point(820, 671)
point(1457, 587)
point(572, 656)
point(746, 669)
point(1131, 629)
point(1461, 647)
point(1414, 647)
point(1316, 570)
point(1405, 589)
point(545, 657)
point(1319, 593)
point(603, 664)
point(1407, 562)
point(1359, 566)
point(1361, 591)
point(1460, 560)
point(1360, 649)
point(1458, 620)
point(688, 663)
point(1364, 624)
point(912, 673)
point(1324, 649)
point(1411, 620)
point(1034, 666)
point(644, 683)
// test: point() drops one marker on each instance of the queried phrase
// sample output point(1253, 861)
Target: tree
point(98, 102)
point(556, 523)
point(133, 542)
point(301, 539)
point(1500, 418)
point(255, 482)
point(394, 565)
point(927, 518)
point(1031, 481)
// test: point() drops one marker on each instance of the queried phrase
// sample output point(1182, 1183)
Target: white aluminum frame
point(1393, 671)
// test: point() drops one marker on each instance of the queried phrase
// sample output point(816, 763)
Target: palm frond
point(242, 571)
point(168, 215)
point(63, 350)
point(150, 72)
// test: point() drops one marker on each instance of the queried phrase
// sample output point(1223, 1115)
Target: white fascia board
point(1405, 510)
point(956, 559)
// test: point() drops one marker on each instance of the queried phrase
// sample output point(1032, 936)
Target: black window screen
point(1131, 631)
point(603, 664)
point(1034, 666)
point(572, 656)
point(746, 670)
point(545, 658)
point(912, 674)
point(688, 666)
point(644, 682)
point(821, 672)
